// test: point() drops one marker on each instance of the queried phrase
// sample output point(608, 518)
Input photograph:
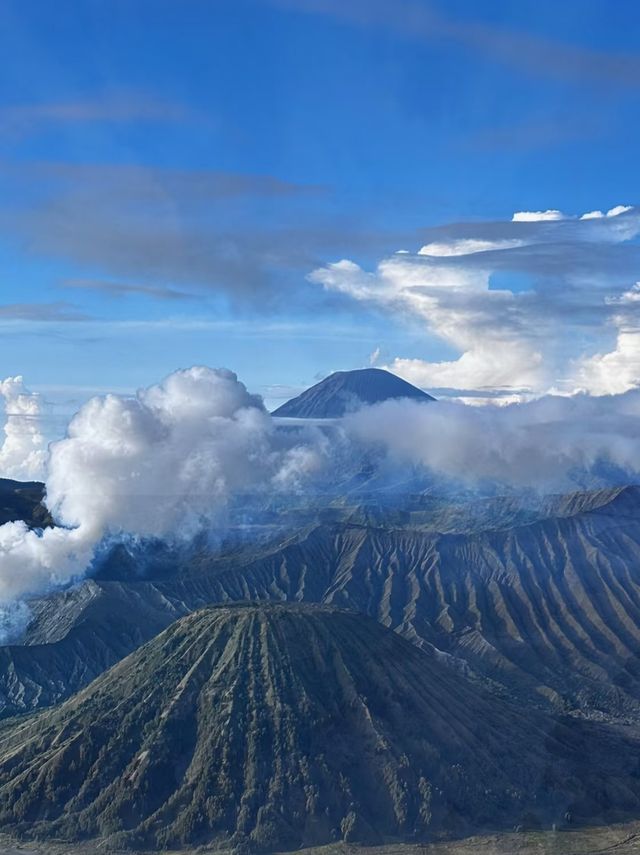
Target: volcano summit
point(346, 391)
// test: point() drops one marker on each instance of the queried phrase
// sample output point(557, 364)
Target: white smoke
point(23, 452)
point(161, 463)
point(551, 444)
point(171, 459)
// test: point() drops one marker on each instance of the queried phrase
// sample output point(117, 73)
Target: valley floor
point(621, 839)
point(606, 840)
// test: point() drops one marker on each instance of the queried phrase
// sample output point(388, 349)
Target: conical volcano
point(346, 391)
point(278, 726)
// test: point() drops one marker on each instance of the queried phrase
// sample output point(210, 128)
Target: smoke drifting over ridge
point(163, 463)
point(552, 444)
point(167, 462)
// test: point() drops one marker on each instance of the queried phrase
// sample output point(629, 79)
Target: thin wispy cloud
point(127, 289)
point(59, 311)
point(116, 108)
point(538, 133)
point(247, 238)
point(146, 184)
point(524, 52)
point(92, 329)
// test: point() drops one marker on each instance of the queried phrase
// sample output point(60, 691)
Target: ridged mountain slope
point(277, 726)
point(548, 612)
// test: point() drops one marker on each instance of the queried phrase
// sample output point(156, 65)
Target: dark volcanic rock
point(23, 500)
point(346, 391)
point(277, 726)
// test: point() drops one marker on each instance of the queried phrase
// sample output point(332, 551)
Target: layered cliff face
point(546, 611)
point(279, 726)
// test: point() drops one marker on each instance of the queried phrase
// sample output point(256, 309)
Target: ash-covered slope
point(346, 391)
point(546, 611)
point(289, 725)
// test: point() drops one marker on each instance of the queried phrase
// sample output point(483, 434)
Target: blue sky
point(177, 178)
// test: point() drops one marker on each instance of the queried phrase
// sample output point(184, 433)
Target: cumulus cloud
point(497, 366)
point(537, 216)
point(23, 452)
point(617, 370)
point(456, 304)
point(613, 212)
point(613, 372)
point(531, 304)
point(159, 464)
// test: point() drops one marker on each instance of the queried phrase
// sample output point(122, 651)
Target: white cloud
point(156, 464)
point(466, 247)
point(23, 452)
point(614, 372)
point(630, 296)
point(613, 212)
point(504, 367)
point(459, 308)
point(570, 272)
point(619, 209)
point(173, 457)
point(537, 216)
point(544, 444)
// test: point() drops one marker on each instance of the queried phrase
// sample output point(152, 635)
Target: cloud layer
point(172, 459)
point(130, 228)
point(553, 444)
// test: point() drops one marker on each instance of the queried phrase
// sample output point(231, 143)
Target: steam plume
point(169, 460)
point(552, 444)
point(161, 463)
point(23, 452)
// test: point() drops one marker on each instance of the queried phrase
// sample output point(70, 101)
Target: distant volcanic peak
point(346, 391)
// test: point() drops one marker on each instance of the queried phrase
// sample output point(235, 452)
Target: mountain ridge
point(546, 611)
